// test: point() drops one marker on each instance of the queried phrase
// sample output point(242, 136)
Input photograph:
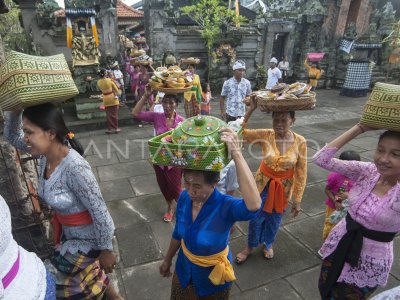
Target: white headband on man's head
point(273, 60)
point(239, 64)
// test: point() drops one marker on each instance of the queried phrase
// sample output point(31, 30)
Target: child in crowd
point(337, 188)
point(228, 183)
point(157, 104)
point(205, 99)
point(134, 72)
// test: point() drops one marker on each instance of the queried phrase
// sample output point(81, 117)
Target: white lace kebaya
point(30, 278)
point(72, 188)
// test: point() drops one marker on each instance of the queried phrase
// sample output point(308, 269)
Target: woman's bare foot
point(242, 256)
point(112, 294)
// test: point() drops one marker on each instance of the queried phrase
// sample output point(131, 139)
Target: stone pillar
point(41, 37)
point(342, 18)
point(161, 34)
point(109, 32)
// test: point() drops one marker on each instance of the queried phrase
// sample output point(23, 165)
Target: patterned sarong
point(358, 80)
point(78, 276)
point(342, 290)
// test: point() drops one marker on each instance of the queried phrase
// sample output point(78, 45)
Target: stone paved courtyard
point(128, 183)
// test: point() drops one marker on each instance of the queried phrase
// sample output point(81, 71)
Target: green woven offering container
point(382, 109)
point(195, 144)
point(27, 80)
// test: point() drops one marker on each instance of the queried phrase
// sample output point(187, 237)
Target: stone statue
point(387, 11)
point(351, 32)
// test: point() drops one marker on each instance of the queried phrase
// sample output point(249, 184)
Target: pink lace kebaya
point(380, 213)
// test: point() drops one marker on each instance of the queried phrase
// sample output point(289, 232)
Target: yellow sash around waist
point(222, 271)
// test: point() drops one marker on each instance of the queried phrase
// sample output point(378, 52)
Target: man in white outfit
point(274, 74)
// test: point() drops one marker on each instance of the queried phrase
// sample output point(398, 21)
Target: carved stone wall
point(109, 28)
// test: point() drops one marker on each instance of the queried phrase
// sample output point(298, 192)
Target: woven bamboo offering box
point(382, 109)
point(283, 97)
point(172, 80)
point(27, 80)
point(195, 144)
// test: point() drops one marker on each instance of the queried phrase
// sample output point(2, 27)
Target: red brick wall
point(353, 11)
point(364, 14)
point(357, 11)
point(342, 18)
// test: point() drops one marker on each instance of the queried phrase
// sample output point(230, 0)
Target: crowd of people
point(363, 198)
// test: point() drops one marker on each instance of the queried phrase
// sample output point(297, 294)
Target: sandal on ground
point(241, 257)
point(268, 254)
point(168, 217)
point(109, 131)
point(118, 130)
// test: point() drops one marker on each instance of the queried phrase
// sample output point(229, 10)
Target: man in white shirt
point(283, 66)
point(234, 91)
point(119, 80)
point(274, 74)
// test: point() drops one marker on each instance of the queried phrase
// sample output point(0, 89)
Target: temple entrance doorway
point(278, 48)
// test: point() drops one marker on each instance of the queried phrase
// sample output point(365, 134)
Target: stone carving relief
point(84, 51)
point(388, 11)
point(351, 32)
point(227, 50)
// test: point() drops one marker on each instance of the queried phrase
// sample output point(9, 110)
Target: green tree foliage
point(393, 39)
point(211, 16)
point(13, 35)
point(46, 8)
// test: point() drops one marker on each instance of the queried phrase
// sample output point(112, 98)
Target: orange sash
point(82, 218)
point(276, 198)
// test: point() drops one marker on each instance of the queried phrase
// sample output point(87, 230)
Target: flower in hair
point(70, 135)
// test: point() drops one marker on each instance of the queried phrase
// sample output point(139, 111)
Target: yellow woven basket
point(27, 80)
point(382, 109)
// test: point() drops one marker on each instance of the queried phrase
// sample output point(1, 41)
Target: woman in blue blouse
point(204, 217)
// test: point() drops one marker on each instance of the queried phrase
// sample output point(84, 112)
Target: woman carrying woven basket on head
point(83, 228)
point(144, 78)
point(193, 98)
point(358, 253)
point(168, 178)
point(314, 73)
point(204, 218)
point(282, 175)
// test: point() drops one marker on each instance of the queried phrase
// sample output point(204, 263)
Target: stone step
point(88, 114)
point(81, 125)
point(86, 103)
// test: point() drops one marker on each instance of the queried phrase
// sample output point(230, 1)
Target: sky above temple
point(129, 2)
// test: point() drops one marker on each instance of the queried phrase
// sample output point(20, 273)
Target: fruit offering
point(173, 78)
